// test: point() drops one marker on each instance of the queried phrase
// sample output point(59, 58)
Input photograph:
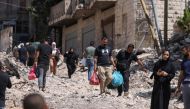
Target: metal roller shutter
point(71, 41)
point(88, 35)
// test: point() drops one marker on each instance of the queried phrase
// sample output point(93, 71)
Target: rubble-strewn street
point(76, 93)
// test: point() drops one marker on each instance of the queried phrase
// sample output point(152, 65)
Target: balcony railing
point(81, 8)
point(102, 4)
point(57, 11)
point(68, 10)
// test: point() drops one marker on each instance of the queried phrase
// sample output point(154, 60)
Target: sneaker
point(118, 95)
point(51, 75)
point(108, 92)
point(126, 93)
point(43, 89)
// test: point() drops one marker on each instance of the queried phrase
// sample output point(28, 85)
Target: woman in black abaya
point(163, 72)
point(71, 61)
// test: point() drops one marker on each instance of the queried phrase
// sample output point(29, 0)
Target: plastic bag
point(117, 79)
point(32, 75)
point(94, 80)
point(83, 62)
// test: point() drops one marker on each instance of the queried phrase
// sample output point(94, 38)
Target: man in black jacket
point(124, 59)
point(4, 83)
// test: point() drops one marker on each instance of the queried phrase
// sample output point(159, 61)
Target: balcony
point(102, 4)
point(61, 14)
point(81, 10)
point(68, 11)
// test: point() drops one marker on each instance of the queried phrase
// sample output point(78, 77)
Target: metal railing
point(57, 10)
point(80, 4)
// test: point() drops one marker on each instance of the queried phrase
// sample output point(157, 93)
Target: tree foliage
point(184, 22)
point(40, 10)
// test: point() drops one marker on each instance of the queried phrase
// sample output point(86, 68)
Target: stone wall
point(82, 23)
point(6, 38)
point(128, 15)
point(175, 10)
point(124, 23)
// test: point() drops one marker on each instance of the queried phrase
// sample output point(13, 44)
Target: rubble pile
point(76, 93)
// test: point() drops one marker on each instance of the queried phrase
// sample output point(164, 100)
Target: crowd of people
point(99, 59)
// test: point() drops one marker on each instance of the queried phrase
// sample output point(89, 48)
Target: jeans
point(42, 75)
point(23, 60)
point(2, 104)
point(186, 95)
point(90, 65)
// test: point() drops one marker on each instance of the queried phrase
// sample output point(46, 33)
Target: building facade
point(14, 13)
point(122, 21)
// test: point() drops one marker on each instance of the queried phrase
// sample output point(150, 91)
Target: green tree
point(40, 10)
point(184, 22)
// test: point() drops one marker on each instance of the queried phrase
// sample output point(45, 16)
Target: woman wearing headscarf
point(54, 59)
point(71, 61)
point(163, 72)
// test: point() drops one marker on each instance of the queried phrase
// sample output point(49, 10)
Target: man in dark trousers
point(23, 54)
point(102, 61)
point(42, 59)
point(31, 52)
point(5, 82)
point(124, 59)
point(184, 77)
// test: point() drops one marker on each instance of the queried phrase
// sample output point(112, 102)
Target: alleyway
point(76, 93)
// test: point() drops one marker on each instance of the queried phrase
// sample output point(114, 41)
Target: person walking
point(124, 59)
point(102, 62)
point(5, 82)
point(23, 54)
point(43, 56)
point(89, 55)
point(163, 72)
point(31, 54)
point(54, 59)
point(71, 61)
point(184, 77)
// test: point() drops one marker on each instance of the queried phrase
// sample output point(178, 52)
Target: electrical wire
point(14, 5)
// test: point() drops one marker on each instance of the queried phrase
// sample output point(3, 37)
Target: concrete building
point(123, 21)
point(14, 13)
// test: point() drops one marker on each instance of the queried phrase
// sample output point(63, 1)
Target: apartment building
point(122, 21)
point(14, 13)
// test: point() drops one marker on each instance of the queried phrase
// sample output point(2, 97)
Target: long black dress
point(71, 62)
point(161, 89)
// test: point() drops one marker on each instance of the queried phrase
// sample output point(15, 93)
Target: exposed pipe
point(166, 23)
point(151, 27)
point(156, 22)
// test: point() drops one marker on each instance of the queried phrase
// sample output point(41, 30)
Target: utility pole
point(156, 45)
point(166, 23)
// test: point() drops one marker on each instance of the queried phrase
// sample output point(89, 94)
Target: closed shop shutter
point(88, 35)
point(71, 41)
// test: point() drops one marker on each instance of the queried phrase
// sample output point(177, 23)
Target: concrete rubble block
point(187, 40)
